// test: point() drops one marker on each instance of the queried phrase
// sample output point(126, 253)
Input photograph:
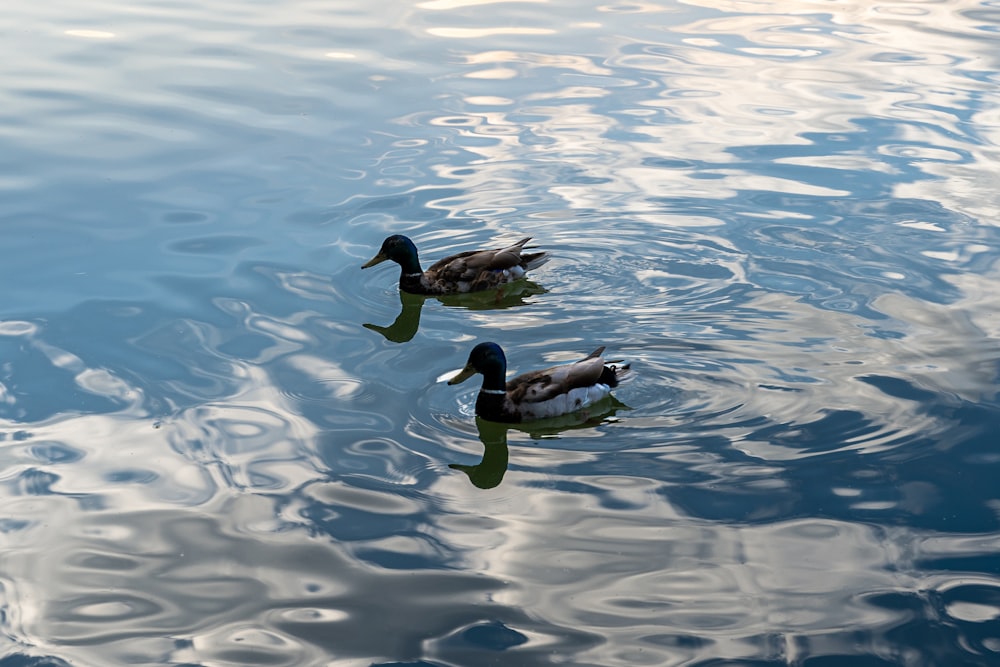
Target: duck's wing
point(544, 385)
point(467, 266)
point(504, 258)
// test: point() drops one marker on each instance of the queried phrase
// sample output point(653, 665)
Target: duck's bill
point(377, 259)
point(463, 375)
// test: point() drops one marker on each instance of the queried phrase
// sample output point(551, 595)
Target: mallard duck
point(540, 394)
point(469, 271)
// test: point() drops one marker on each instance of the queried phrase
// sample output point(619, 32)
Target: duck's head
point(399, 249)
point(485, 358)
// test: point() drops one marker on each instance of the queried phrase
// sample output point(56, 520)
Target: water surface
point(222, 443)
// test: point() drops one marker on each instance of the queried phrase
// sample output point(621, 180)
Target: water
point(225, 444)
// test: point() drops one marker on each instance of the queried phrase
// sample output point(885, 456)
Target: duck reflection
point(489, 472)
point(405, 326)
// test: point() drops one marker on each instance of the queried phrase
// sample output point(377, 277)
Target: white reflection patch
point(90, 34)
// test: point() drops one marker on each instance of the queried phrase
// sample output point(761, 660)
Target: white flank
point(564, 404)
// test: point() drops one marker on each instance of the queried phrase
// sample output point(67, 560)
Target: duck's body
point(469, 271)
point(540, 394)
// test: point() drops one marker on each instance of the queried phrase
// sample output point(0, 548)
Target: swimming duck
point(540, 394)
point(469, 271)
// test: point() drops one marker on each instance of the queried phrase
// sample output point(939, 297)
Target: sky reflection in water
point(221, 443)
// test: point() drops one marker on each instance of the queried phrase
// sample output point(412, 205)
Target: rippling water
point(222, 443)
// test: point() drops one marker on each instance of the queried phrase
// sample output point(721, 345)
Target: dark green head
point(485, 358)
point(399, 249)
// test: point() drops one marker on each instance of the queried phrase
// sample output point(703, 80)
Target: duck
point(541, 394)
point(469, 271)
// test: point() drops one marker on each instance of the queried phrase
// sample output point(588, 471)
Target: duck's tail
point(533, 260)
point(615, 372)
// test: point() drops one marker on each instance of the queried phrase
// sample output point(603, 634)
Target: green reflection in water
point(489, 472)
point(406, 324)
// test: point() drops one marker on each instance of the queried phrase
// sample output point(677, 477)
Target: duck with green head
point(540, 394)
point(469, 271)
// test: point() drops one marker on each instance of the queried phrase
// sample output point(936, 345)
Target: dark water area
point(223, 443)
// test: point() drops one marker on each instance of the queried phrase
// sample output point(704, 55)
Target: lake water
point(222, 443)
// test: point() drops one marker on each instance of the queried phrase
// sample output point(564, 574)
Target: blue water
point(223, 443)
